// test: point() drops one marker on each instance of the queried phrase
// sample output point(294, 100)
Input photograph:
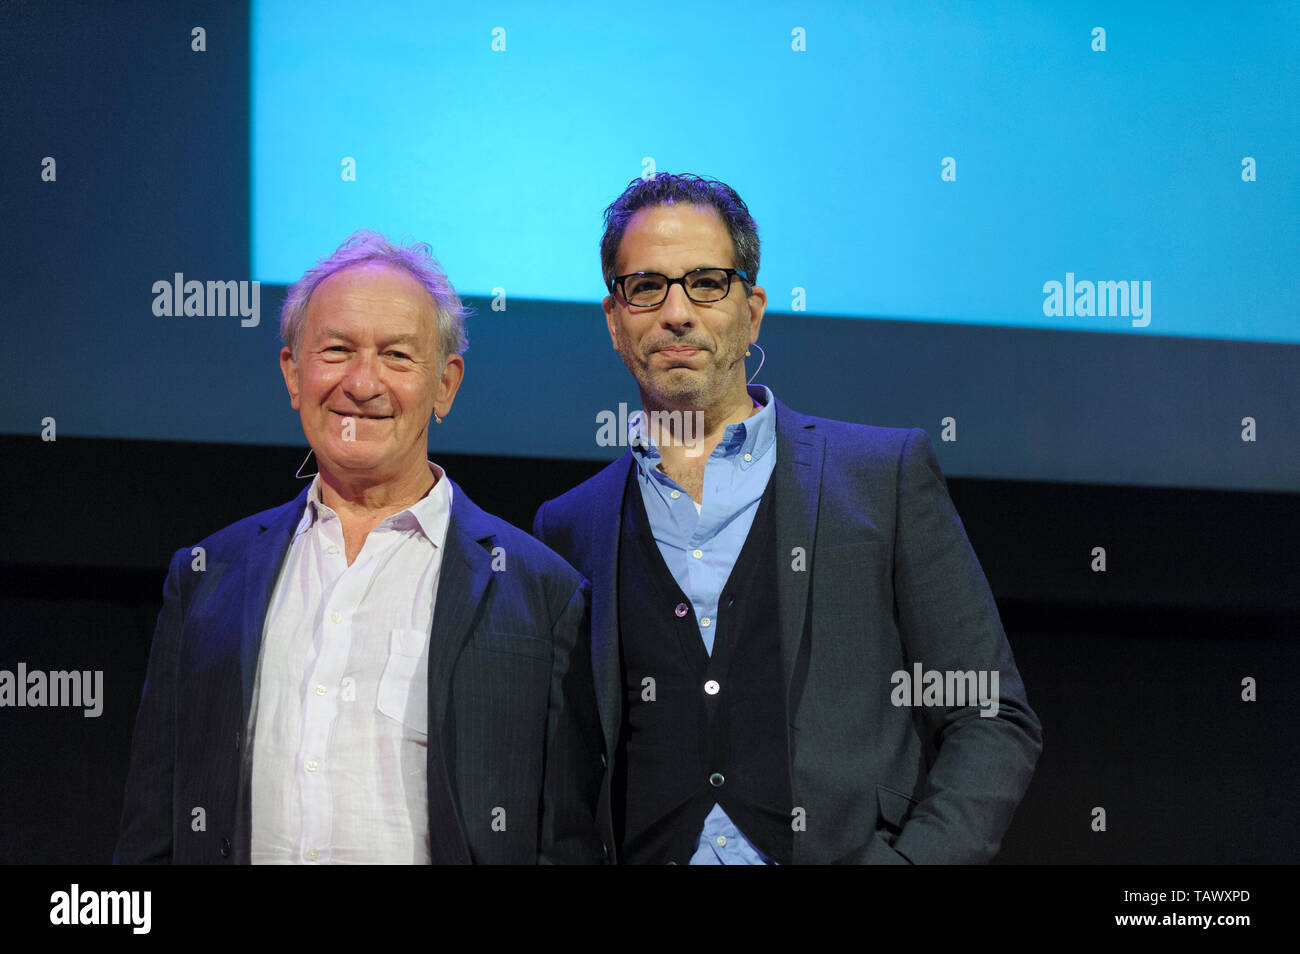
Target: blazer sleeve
point(539, 525)
point(573, 769)
point(146, 832)
point(540, 529)
point(949, 622)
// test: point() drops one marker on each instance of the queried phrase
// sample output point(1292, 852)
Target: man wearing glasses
point(760, 580)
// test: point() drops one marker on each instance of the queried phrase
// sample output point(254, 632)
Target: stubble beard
point(682, 388)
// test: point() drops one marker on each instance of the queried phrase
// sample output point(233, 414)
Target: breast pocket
point(516, 644)
point(857, 553)
point(404, 684)
point(509, 672)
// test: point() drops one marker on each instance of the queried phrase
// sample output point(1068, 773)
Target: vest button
point(716, 779)
point(712, 687)
point(682, 609)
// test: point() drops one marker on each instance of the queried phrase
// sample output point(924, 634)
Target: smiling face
point(368, 374)
point(683, 354)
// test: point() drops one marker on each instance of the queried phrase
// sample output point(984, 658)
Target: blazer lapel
point(462, 584)
point(605, 524)
point(800, 451)
point(265, 555)
point(261, 565)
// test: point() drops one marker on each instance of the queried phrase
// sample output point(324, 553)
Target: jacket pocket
point(895, 809)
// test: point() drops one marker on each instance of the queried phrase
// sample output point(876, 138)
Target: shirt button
point(321, 690)
point(335, 618)
point(698, 554)
point(705, 621)
point(310, 765)
point(716, 779)
point(681, 609)
point(722, 841)
point(747, 457)
point(675, 494)
point(712, 687)
point(331, 549)
point(312, 854)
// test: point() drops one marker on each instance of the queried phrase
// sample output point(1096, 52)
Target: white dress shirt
point(341, 724)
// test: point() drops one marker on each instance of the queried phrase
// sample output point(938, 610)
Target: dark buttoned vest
point(699, 730)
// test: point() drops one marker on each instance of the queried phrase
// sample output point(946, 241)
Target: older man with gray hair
point(377, 671)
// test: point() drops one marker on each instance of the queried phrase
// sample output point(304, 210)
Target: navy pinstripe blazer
point(512, 713)
point(876, 574)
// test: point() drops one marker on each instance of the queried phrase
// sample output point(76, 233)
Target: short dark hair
point(665, 188)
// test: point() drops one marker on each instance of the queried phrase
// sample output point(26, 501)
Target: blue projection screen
point(1089, 167)
point(1071, 229)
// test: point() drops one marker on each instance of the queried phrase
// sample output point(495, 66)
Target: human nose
point(361, 380)
point(676, 309)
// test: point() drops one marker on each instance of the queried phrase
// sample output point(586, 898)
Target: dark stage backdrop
point(169, 428)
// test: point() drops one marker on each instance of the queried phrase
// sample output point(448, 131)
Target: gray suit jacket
point(512, 719)
point(876, 574)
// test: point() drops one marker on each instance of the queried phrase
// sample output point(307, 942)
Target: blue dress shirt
point(701, 546)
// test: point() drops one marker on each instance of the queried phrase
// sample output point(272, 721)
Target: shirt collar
point(431, 514)
point(746, 440)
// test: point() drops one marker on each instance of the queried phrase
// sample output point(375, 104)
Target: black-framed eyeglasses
point(703, 285)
